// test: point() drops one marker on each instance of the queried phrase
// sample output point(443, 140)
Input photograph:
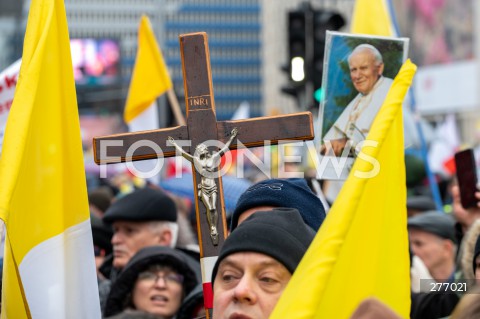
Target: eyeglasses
point(169, 278)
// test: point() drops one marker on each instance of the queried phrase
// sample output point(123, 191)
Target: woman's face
point(158, 291)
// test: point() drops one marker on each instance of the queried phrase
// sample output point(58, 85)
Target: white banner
point(8, 82)
point(447, 88)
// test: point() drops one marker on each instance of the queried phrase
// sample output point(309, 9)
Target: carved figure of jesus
point(206, 163)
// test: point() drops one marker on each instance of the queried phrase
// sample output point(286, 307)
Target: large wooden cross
point(202, 126)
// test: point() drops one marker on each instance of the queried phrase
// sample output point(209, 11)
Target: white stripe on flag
point(147, 120)
point(50, 276)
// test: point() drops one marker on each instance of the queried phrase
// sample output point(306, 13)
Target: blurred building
point(11, 31)
point(234, 36)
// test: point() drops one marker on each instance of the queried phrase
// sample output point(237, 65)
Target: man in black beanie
point(271, 193)
point(257, 261)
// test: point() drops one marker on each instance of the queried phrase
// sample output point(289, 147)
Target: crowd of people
point(148, 256)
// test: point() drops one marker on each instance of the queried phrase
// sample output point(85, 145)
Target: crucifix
point(202, 126)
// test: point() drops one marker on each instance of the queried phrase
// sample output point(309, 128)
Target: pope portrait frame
point(337, 86)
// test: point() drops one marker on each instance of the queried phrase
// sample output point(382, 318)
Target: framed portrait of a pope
point(358, 72)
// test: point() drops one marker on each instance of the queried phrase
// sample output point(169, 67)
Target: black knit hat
point(292, 192)
point(146, 204)
point(141, 261)
point(476, 254)
point(280, 233)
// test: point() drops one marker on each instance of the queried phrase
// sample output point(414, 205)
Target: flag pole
point(416, 118)
point(424, 154)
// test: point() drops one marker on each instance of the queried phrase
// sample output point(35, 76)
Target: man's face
point(129, 237)
point(248, 286)
point(364, 71)
point(430, 248)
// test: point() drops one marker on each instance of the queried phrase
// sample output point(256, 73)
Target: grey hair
point(160, 226)
point(362, 47)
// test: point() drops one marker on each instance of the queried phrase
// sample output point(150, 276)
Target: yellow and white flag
point(150, 79)
point(49, 269)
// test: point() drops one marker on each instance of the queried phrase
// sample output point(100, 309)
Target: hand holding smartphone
point(467, 177)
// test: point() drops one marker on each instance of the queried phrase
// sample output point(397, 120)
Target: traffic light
point(297, 54)
point(323, 20)
point(297, 47)
point(306, 45)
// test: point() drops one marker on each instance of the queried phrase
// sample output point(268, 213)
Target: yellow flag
point(150, 77)
point(372, 17)
point(361, 250)
point(49, 269)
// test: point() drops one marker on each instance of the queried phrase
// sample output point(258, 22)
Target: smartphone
point(467, 177)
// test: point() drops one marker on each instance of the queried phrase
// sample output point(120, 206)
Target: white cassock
point(355, 121)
